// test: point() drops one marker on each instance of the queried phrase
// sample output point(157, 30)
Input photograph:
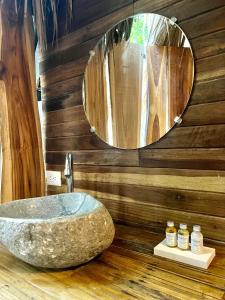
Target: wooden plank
point(208, 91)
point(155, 218)
point(166, 282)
point(207, 136)
point(188, 9)
point(204, 114)
point(86, 11)
point(200, 24)
point(188, 179)
point(73, 128)
point(71, 143)
point(199, 158)
point(207, 45)
point(211, 67)
point(109, 157)
point(92, 30)
point(143, 6)
point(176, 199)
point(64, 71)
point(70, 100)
point(62, 88)
point(68, 55)
point(19, 288)
point(173, 267)
point(75, 113)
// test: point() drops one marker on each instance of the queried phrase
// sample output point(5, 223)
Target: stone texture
point(56, 231)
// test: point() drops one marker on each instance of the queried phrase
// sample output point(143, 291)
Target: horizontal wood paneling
point(188, 179)
point(199, 158)
point(200, 24)
point(181, 177)
point(62, 88)
point(68, 55)
point(71, 143)
point(176, 199)
point(208, 136)
point(64, 71)
point(155, 218)
point(143, 6)
point(205, 114)
point(210, 68)
point(208, 91)
point(70, 100)
point(108, 157)
point(65, 115)
point(92, 30)
point(87, 11)
point(211, 44)
point(73, 128)
point(186, 9)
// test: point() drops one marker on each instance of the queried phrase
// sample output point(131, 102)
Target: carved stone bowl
point(57, 231)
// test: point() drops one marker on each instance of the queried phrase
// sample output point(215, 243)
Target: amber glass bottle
point(171, 234)
point(183, 237)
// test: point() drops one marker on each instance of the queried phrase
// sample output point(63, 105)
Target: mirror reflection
point(138, 80)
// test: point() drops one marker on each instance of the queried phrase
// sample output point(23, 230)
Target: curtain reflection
point(138, 80)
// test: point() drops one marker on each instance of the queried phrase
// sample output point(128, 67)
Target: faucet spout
point(68, 172)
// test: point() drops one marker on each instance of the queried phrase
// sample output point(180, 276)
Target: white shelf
point(202, 260)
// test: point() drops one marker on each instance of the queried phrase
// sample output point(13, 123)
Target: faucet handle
point(68, 165)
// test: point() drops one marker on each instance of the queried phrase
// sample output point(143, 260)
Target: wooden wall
point(181, 177)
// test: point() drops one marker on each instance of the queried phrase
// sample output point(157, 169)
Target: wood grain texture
point(191, 158)
point(76, 113)
point(22, 165)
point(205, 114)
point(127, 270)
point(180, 177)
point(188, 9)
point(110, 157)
point(212, 44)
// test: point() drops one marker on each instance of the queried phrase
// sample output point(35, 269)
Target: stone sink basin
point(57, 231)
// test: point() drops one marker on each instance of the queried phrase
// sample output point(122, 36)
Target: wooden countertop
point(127, 270)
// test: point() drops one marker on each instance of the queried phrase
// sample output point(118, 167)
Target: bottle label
point(183, 241)
point(196, 245)
point(171, 239)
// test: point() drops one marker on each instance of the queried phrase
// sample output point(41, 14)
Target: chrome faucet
point(68, 172)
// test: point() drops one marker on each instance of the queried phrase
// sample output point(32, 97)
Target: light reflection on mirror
point(138, 80)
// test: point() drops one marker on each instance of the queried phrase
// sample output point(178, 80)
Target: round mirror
point(138, 81)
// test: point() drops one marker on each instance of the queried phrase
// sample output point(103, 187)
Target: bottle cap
point(183, 226)
point(197, 228)
point(170, 223)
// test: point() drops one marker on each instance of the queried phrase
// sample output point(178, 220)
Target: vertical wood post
point(22, 171)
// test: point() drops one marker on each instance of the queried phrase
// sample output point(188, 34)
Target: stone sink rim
point(50, 219)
